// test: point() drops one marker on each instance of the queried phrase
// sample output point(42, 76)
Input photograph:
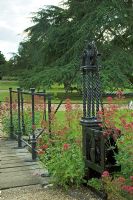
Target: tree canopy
point(2, 63)
point(2, 59)
point(52, 51)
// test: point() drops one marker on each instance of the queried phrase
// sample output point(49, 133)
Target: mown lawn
point(4, 95)
point(75, 98)
point(57, 92)
point(5, 85)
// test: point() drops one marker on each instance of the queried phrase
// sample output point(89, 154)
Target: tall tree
point(56, 40)
point(2, 59)
point(2, 63)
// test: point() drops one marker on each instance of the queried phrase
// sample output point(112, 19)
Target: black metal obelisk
point(91, 105)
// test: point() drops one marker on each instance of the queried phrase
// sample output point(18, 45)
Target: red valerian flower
point(63, 131)
point(33, 126)
point(66, 146)
point(45, 146)
point(100, 112)
point(121, 142)
point(127, 126)
point(107, 121)
point(68, 105)
point(40, 141)
point(118, 130)
point(109, 99)
point(127, 188)
point(123, 121)
point(106, 133)
point(119, 93)
point(101, 125)
point(78, 141)
point(43, 123)
point(40, 152)
point(14, 106)
point(105, 174)
point(121, 179)
point(131, 178)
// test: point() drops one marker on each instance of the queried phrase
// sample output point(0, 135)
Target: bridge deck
point(16, 167)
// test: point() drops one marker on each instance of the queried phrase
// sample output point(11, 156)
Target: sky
point(15, 17)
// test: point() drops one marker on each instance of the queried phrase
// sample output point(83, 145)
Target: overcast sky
point(14, 18)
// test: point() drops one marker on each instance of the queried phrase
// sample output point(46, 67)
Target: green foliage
point(53, 49)
point(118, 124)
point(2, 63)
point(65, 166)
point(5, 85)
point(95, 183)
point(112, 187)
point(8, 69)
point(63, 156)
point(125, 143)
point(2, 59)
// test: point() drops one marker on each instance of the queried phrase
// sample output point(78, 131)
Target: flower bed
point(61, 151)
point(118, 124)
point(63, 155)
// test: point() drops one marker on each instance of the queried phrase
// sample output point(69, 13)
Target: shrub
point(65, 164)
point(119, 124)
point(63, 157)
point(117, 188)
point(95, 183)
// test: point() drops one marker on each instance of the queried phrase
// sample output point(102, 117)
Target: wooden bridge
point(17, 168)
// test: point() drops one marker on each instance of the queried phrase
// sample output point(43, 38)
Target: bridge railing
point(19, 126)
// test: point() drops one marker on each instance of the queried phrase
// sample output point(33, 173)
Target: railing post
point(49, 113)
point(44, 104)
point(11, 117)
point(19, 121)
point(33, 141)
point(91, 136)
point(22, 111)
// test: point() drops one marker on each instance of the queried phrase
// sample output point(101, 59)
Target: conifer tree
point(56, 40)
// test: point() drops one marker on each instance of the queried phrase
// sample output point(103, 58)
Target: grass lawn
point(5, 85)
point(57, 92)
point(75, 98)
point(4, 95)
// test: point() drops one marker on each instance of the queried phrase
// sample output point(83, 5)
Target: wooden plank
point(17, 168)
point(19, 164)
point(18, 182)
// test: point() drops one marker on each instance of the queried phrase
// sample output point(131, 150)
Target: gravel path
point(33, 193)
point(39, 193)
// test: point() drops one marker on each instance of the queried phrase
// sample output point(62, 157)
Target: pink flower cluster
point(105, 174)
point(120, 94)
point(33, 127)
point(40, 152)
point(63, 131)
point(68, 105)
point(127, 188)
point(42, 149)
point(121, 179)
point(109, 99)
point(66, 146)
point(45, 146)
